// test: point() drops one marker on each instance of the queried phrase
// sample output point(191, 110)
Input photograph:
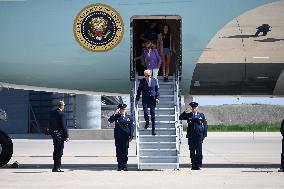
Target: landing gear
point(6, 148)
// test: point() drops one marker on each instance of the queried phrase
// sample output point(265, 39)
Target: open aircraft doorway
point(148, 28)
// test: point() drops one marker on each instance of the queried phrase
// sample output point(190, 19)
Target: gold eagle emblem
point(98, 27)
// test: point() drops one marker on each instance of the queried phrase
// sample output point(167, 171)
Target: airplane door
point(147, 28)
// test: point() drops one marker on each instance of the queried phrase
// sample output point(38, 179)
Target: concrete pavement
point(231, 160)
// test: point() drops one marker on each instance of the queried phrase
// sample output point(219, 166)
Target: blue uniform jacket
point(149, 94)
point(124, 126)
point(196, 124)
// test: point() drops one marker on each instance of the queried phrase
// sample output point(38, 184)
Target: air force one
point(220, 49)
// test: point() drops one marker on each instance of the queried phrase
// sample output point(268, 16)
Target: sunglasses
point(147, 76)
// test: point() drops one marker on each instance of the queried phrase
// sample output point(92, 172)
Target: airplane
point(86, 47)
point(216, 50)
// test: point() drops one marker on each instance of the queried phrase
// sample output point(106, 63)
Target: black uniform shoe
point(147, 125)
point(195, 168)
point(281, 170)
point(119, 169)
point(125, 169)
point(57, 170)
point(153, 133)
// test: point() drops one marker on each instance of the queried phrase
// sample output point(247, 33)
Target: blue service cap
point(122, 106)
point(193, 104)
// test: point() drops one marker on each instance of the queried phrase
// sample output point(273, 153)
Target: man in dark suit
point(123, 134)
point(196, 132)
point(148, 86)
point(282, 154)
point(59, 134)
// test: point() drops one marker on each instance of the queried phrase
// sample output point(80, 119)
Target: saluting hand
point(117, 111)
point(187, 110)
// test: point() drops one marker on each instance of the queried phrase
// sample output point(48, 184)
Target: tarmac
point(231, 160)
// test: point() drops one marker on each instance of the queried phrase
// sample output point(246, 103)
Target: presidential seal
point(98, 27)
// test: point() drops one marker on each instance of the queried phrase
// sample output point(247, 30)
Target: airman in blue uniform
point(123, 134)
point(196, 132)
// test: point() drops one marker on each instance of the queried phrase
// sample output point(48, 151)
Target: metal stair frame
point(152, 140)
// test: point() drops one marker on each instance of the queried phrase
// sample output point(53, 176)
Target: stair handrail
point(136, 114)
point(178, 125)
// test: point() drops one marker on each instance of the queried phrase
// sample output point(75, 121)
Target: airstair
point(162, 150)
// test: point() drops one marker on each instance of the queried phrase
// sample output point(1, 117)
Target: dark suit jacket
point(57, 121)
point(149, 94)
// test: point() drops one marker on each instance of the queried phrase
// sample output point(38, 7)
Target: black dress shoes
point(281, 170)
point(57, 170)
point(119, 169)
point(153, 133)
point(125, 169)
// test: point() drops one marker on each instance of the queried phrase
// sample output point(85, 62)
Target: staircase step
point(158, 132)
point(167, 92)
point(157, 145)
point(166, 83)
point(158, 159)
point(161, 105)
point(157, 152)
point(144, 122)
point(158, 125)
point(160, 111)
point(158, 166)
point(166, 88)
point(169, 98)
point(157, 138)
point(165, 102)
point(160, 117)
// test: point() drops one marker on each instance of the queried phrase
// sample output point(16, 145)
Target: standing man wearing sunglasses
point(148, 86)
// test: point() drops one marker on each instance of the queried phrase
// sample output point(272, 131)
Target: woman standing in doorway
point(165, 47)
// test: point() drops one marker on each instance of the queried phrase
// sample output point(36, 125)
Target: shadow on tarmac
point(133, 167)
point(270, 40)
